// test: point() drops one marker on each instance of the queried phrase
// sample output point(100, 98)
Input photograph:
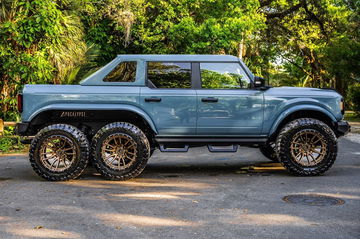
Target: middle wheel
point(120, 151)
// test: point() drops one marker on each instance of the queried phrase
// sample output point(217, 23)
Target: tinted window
point(223, 76)
point(169, 74)
point(124, 72)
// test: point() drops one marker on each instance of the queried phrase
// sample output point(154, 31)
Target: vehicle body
point(180, 101)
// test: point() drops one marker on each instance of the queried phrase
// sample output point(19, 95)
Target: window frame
point(193, 77)
point(226, 62)
point(122, 82)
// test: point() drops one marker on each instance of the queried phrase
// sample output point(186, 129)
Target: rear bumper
point(21, 128)
point(342, 128)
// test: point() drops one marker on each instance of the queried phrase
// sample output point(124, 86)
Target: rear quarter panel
point(38, 98)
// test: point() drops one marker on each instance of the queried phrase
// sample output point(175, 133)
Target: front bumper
point(342, 128)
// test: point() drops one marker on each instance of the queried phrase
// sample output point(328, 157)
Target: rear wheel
point(120, 151)
point(306, 147)
point(59, 152)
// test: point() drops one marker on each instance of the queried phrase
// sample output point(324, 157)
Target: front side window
point(124, 72)
point(223, 76)
point(169, 74)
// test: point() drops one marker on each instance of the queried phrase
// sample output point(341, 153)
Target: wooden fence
point(5, 124)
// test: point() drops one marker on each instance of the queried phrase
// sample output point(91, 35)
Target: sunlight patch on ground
point(155, 195)
point(268, 220)
point(43, 233)
point(4, 218)
point(138, 183)
point(337, 195)
point(139, 220)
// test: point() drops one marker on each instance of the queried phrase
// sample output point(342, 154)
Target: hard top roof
point(192, 58)
point(97, 77)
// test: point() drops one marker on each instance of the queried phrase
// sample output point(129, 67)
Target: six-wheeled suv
point(120, 114)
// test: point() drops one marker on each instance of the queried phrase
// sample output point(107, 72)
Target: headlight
point(342, 106)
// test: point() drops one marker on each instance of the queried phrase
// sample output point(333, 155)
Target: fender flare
point(102, 107)
point(294, 109)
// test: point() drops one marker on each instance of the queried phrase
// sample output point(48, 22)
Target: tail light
point(20, 102)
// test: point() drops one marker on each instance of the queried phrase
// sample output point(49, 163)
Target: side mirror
point(259, 83)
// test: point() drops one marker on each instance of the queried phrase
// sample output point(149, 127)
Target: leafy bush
point(9, 141)
point(354, 97)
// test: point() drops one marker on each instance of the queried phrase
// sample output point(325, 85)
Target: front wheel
point(306, 147)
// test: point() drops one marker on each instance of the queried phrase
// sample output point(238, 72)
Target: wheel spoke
point(300, 153)
point(52, 148)
point(314, 143)
point(130, 153)
point(313, 159)
point(305, 144)
point(52, 165)
point(122, 147)
point(113, 159)
point(307, 159)
point(57, 166)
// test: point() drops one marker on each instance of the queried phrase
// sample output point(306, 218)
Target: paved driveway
point(193, 195)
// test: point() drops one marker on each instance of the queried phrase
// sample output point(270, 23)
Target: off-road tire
point(142, 148)
point(268, 151)
point(80, 142)
point(285, 138)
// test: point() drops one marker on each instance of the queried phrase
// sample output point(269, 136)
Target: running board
point(222, 149)
point(214, 140)
point(169, 149)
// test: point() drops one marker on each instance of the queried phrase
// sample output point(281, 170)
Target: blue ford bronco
point(120, 114)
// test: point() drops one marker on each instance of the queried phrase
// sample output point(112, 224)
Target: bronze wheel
point(57, 153)
point(308, 147)
point(119, 151)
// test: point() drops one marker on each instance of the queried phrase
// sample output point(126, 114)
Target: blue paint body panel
point(238, 112)
point(181, 112)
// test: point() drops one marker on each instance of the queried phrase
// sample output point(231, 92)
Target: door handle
point(210, 99)
point(153, 99)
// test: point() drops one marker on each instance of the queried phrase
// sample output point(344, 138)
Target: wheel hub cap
point(57, 153)
point(119, 151)
point(308, 147)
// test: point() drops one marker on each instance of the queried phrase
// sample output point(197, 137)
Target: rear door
point(169, 98)
point(227, 105)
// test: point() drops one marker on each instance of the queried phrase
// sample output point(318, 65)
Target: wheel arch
point(90, 114)
point(302, 112)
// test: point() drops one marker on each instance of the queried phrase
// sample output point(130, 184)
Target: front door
point(227, 105)
point(169, 98)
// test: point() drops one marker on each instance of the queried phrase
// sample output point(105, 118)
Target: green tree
point(38, 44)
point(317, 37)
point(171, 26)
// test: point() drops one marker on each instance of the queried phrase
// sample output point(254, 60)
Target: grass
point(351, 116)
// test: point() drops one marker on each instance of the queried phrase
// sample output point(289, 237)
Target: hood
point(304, 92)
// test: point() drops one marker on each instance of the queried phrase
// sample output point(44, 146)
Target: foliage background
point(311, 43)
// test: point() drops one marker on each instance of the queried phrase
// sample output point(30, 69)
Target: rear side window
point(169, 74)
point(124, 72)
point(223, 76)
